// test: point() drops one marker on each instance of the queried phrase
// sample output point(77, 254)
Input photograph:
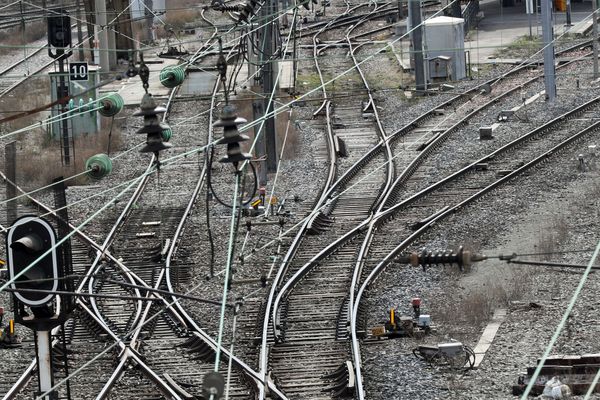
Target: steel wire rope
point(247, 126)
point(274, 112)
point(26, 194)
point(75, 112)
point(111, 346)
point(227, 271)
point(501, 77)
point(287, 128)
point(231, 348)
point(269, 103)
point(130, 183)
point(561, 326)
point(89, 35)
point(70, 234)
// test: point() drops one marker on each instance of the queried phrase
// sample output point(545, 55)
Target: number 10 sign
point(78, 71)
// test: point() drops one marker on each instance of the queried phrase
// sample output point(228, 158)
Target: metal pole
point(548, 37)
point(269, 8)
point(295, 56)
point(149, 19)
point(595, 36)
point(44, 362)
point(90, 20)
point(63, 91)
point(79, 31)
point(414, 15)
point(112, 41)
point(456, 11)
point(568, 13)
point(10, 165)
point(261, 146)
point(529, 10)
point(102, 35)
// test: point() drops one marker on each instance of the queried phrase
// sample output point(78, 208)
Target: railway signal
point(28, 239)
point(59, 33)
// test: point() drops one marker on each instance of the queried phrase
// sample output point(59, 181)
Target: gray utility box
point(444, 37)
point(440, 67)
point(80, 122)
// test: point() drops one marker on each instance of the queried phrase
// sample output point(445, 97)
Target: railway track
point(299, 331)
point(129, 323)
point(310, 314)
point(17, 18)
point(309, 327)
point(418, 213)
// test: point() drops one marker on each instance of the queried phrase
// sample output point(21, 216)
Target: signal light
point(29, 238)
point(59, 30)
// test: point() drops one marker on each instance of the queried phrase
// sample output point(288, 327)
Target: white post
point(44, 362)
point(102, 36)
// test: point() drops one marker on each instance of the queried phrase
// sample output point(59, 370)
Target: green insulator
point(172, 76)
point(81, 107)
point(111, 105)
point(98, 166)
point(91, 106)
point(167, 134)
point(71, 106)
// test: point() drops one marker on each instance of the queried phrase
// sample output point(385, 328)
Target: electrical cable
point(28, 194)
point(287, 128)
point(212, 190)
point(561, 325)
point(211, 266)
point(228, 270)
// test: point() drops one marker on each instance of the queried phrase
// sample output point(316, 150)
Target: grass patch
point(12, 38)
point(523, 45)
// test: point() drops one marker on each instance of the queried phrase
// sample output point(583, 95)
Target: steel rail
point(286, 289)
point(195, 328)
point(387, 214)
point(139, 323)
point(294, 245)
point(283, 293)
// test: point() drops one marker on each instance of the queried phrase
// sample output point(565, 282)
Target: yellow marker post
point(11, 327)
point(392, 318)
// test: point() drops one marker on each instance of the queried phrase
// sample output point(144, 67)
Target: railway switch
point(153, 128)
point(8, 336)
point(405, 326)
point(230, 121)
